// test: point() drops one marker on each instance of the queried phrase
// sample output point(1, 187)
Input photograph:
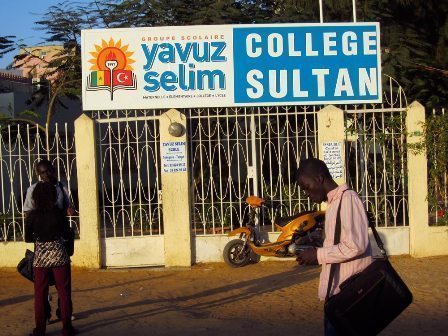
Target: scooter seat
point(282, 221)
point(270, 244)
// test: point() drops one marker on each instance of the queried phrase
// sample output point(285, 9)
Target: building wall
point(34, 65)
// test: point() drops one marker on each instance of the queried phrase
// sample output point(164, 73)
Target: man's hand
point(70, 211)
point(308, 257)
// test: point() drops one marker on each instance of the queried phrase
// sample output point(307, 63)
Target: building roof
point(13, 75)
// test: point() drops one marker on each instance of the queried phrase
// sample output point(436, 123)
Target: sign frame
point(127, 85)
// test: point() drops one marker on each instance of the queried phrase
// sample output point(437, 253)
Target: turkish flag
point(122, 77)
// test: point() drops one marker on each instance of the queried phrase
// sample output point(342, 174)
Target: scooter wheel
point(233, 254)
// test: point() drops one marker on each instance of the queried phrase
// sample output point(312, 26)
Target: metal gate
point(130, 187)
point(236, 152)
point(376, 156)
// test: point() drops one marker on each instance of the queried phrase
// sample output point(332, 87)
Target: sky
point(17, 18)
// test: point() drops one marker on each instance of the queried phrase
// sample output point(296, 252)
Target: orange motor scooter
point(298, 232)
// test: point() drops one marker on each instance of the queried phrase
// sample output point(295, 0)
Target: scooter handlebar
point(255, 201)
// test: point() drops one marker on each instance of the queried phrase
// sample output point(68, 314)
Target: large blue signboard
point(307, 64)
point(231, 65)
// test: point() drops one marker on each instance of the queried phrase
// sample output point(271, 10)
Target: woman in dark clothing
point(47, 226)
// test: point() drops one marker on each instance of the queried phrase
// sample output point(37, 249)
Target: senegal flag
point(100, 78)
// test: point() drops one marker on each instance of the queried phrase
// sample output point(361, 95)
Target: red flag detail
point(123, 77)
point(106, 74)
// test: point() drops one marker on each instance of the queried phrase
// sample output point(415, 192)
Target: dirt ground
point(268, 298)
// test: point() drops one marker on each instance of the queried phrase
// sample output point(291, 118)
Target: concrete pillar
point(175, 190)
point(417, 182)
point(331, 141)
point(87, 248)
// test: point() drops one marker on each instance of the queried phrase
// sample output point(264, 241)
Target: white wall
point(210, 248)
point(395, 240)
point(133, 251)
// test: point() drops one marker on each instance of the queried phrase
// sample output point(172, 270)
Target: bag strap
point(377, 237)
point(65, 203)
point(337, 237)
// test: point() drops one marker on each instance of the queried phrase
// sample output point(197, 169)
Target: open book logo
point(112, 70)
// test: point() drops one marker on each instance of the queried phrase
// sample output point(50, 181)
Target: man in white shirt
point(46, 172)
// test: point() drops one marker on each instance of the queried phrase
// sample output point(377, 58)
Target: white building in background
point(15, 90)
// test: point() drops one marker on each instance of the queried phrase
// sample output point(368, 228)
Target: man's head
point(46, 172)
point(315, 179)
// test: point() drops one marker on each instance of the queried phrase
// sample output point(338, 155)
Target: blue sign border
point(300, 64)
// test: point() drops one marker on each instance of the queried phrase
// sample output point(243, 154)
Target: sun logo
point(102, 53)
point(112, 70)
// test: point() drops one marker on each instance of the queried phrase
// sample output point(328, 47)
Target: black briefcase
point(368, 301)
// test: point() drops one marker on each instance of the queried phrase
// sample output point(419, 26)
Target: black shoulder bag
point(25, 266)
point(369, 300)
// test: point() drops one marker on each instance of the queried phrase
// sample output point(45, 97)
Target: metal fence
point(129, 173)
point(376, 156)
point(237, 152)
point(234, 152)
point(21, 146)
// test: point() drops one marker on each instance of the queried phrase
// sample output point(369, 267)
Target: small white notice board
point(333, 158)
point(174, 159)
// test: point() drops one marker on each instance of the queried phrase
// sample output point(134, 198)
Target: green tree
point(139, 13)
point(6, 44)
point(414, 34)
point(62, 24)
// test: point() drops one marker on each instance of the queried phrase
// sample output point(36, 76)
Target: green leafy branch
point(435, 143)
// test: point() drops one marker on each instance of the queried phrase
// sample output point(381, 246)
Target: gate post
point(331, 141)
point(417, 183)
point(175, 189)
point(87, 248)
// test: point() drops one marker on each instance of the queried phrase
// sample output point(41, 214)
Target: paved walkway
point(269, 298)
